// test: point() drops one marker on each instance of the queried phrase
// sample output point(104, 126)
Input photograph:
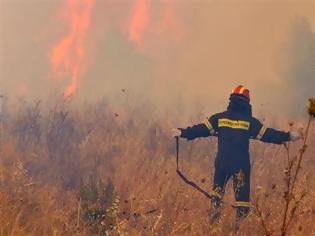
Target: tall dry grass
point(109, 169)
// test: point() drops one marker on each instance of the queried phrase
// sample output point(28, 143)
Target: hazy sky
point(165, 50)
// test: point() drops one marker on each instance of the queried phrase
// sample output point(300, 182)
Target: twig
point(302, 151)
point(261, 218)
point(78, 216)
point(16, 222)
point(293, 210)
point(31, 184)
point(157, 221)
point(287, 195)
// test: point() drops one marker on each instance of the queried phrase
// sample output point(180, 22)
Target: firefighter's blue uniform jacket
point(234, 128)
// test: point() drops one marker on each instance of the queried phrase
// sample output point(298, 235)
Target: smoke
point(166, 51)
point(299, 66)
point(68, 56)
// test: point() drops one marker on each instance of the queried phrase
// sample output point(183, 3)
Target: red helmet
point(241, 92)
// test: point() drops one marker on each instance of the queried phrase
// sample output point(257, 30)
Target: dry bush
point(55, 168)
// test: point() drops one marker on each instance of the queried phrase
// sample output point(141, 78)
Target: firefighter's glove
point(176, 132)
point(295, 136)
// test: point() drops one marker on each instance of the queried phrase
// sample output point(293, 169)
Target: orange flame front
point(169, 20)
point(144, 25)
point(139, 21)
point(69, 54)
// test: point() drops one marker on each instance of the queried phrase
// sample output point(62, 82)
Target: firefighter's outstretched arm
point(270, 135)
point(200, 130)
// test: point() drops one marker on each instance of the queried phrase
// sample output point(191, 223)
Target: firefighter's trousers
point(241, 186)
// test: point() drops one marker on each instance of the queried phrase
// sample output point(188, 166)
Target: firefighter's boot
point(241, 213)
point(215, 210)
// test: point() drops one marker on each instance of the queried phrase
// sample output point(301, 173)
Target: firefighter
point(233, 128)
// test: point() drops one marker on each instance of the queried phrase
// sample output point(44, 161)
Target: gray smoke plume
point(300, 72)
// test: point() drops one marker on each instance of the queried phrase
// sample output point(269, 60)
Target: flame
point(139, 21)
point(163, 21)
point(69, 54)
point(169, 20)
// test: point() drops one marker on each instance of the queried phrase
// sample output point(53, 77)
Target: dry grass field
point(100, 169)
